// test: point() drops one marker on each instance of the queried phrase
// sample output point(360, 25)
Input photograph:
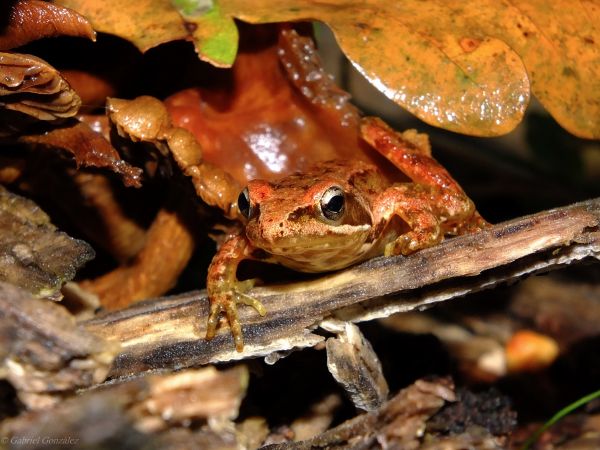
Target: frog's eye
point(332, 203)
point(244, 203)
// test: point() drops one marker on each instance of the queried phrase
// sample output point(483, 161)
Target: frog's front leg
point(412, 203)
point(225, 291)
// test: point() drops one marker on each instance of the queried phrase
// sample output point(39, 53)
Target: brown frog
point(339, 213)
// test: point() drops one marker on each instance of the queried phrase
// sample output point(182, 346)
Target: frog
point(338, 213)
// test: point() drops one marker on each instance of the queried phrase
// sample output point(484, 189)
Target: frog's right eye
point(244, 203)
point(332, 203)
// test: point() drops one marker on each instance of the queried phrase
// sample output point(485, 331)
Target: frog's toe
point(226, 302)
point(235, 326)
point(413, 241)
point(251, 301)
point(213, 319)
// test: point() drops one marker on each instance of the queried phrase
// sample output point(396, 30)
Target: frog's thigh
point(412, 203)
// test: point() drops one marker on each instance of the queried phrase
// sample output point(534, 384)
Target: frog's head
point(307, 223)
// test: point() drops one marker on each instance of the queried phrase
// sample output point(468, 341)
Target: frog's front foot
point(413, 241)
point(226, 301)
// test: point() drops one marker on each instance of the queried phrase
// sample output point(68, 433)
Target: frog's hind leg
point(413, 157)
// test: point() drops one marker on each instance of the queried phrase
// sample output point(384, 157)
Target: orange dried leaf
point(466, 67)
point(276, 113)
point(146, 23)
point(33, 87)
point(30, 20)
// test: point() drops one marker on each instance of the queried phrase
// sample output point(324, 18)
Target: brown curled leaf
point(105, 211)
point(29, 20)
point(145, 119)
point(89, 148)
point(31, 86)
point(111, 223)
point(34, 255)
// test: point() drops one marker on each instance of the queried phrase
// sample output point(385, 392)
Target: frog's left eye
point(332, 203)
point(244, 203)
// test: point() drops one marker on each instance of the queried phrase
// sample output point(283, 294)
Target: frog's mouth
point(338, 237)
point(315, 250)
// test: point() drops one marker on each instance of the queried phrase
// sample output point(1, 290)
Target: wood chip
point(353, 363)
point(33, 253)
point(44, 351)
point(399, 423)
point(147, 412)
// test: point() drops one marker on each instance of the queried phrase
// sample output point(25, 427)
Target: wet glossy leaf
point(277, 110)
point(29, 20)
point(31, 86)
point(34, 255)
point(462, 66)
point(466, 67)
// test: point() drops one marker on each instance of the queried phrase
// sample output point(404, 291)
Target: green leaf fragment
point(215, 36)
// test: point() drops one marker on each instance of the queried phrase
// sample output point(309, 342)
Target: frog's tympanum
point(337, 214)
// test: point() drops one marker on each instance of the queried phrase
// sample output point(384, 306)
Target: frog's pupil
point(336, 203)
point(244, 203)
